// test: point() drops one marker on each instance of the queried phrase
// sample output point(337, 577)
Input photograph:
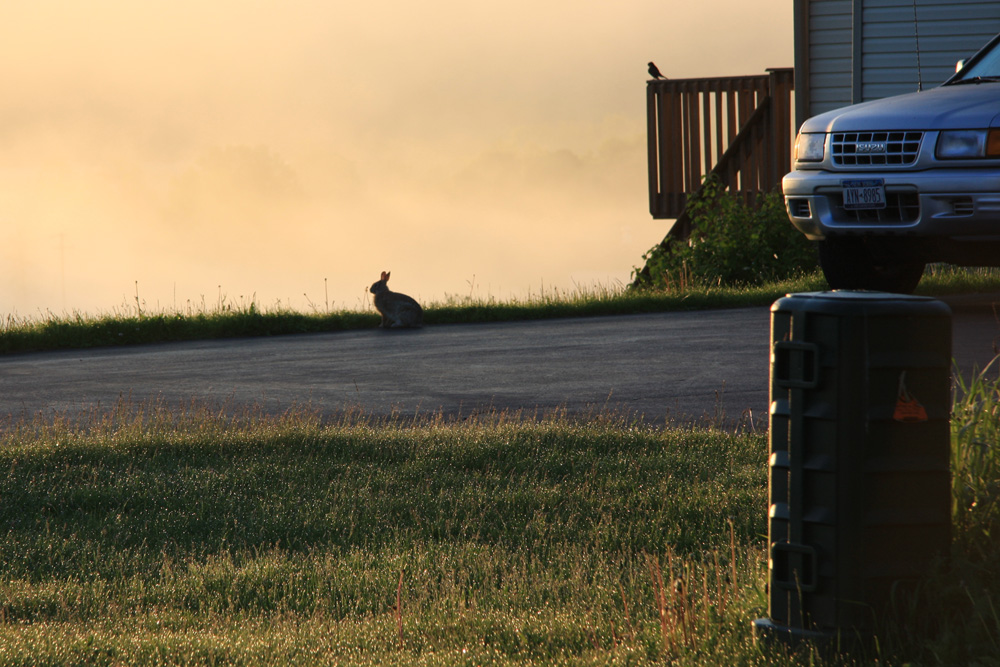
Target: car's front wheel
point(851, 264)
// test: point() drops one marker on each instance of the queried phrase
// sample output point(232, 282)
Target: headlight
point(809, 147)
point(965, 144)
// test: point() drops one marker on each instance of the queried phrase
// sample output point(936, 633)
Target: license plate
point(864, 193)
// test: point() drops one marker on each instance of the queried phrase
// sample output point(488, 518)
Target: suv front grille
point(875, 149)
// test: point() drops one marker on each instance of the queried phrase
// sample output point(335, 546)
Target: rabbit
point(397, 310)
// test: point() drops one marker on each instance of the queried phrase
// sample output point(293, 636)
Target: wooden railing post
point(782, 85)
point(653, 150)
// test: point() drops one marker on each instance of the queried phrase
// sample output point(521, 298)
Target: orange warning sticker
point(908, 408)
point(909, 411)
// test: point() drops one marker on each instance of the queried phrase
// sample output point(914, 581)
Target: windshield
point(987, 67)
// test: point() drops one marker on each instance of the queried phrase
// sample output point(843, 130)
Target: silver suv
point(890, 185)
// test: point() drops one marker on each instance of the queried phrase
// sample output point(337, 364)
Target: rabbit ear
point(385, 276)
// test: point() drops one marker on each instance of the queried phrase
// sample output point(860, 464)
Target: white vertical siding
point(867, 49)
point(947, 31)
point(830, 45)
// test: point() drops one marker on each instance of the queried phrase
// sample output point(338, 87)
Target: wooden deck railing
point(736, 128)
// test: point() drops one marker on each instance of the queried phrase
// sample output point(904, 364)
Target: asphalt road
point(663, 367)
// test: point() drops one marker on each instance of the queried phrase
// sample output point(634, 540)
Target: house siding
point(858, 50)
point(830, 61)
point(947, 32)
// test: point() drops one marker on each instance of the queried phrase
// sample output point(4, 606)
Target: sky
point(186, 155)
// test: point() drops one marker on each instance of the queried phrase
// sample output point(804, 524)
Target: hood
point(963, 106)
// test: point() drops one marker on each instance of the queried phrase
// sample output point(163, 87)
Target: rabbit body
point(398, 310)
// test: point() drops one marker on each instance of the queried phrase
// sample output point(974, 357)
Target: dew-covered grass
point(179, 534)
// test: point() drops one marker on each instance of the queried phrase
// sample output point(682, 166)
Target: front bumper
point(952, 203)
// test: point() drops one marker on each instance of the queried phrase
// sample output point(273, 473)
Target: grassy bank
point(135, 325)
point(174, 535)
point(130, 326)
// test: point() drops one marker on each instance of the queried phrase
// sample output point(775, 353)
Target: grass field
point(158, 534)
point(174, 535)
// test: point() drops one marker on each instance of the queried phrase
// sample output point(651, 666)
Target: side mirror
point(959, 65)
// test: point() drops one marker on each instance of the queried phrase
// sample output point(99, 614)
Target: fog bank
point(187, 154)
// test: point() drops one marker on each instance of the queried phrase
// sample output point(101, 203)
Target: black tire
point(850, 264)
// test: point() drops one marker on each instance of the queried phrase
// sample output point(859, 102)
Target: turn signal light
point(993, 144)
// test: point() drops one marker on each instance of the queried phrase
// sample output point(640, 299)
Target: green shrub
point(731, 244)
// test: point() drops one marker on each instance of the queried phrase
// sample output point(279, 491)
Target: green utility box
point(859, 482)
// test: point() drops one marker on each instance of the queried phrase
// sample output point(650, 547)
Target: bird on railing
point(654, 72)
